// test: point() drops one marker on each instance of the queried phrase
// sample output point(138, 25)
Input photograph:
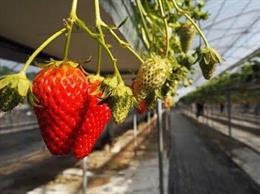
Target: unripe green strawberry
point(121, 103)
point(9, 98)
point(119, 98)
point(13, 90)
point(151, 76)
point(208, 60)
point(186, 33)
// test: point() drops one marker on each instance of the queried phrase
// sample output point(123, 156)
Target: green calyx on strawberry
point(208, 58)
point(187, 60)
point(13, 89)
point(119, 97)
point(68, 111)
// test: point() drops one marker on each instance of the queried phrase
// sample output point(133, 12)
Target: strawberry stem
point(124, 44)
point(99, 29)
point(73, 11)
point(69, 26)
point(193, 23)
point(99, 23)
point(165, 26)
point(99, 59)
point(40, 48)
point(144, 24)
point(96, 37)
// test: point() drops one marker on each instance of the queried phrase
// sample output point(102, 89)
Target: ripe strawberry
point(151, 76)
point(68, 113)
point(96, 118)
point(142, 107)
point(61, 91)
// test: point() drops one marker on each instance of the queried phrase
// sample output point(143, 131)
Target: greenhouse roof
point(233, 28)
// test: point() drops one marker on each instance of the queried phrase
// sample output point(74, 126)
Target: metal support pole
point(206, 115)
point(85, 177)
point(166, 121)
point(148, 116)
point(229, 113)
point(135, 131)
point(212, 114)
point(160, 146)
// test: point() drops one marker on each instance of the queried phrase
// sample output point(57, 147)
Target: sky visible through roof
point(233, 28)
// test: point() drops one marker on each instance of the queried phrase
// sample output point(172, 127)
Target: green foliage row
point(239, 84)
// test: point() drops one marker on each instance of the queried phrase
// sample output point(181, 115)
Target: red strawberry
point(69, 116)
point(142, 108)
point(62, 94)
point(97, 117)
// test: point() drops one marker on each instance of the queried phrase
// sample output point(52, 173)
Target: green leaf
point(4, 82)
point(111, 82)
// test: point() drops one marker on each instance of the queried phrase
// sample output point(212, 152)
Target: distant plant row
point(243, 85)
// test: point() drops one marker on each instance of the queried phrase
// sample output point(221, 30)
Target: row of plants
point(243, 86)
point(73, 106)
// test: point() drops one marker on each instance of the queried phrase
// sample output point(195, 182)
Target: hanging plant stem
point(102, 39)
point(100, 24)
point(99, 59)
point(166, 27)
point(193, 23)
point(97, 37)
point(69, 26)
point(100, 32)
point(40, 48)
point(124, 44)
point(144, 24)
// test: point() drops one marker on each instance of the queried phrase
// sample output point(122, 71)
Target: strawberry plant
point(73, 106)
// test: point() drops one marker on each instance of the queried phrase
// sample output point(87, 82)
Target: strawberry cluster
point(68, 110)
